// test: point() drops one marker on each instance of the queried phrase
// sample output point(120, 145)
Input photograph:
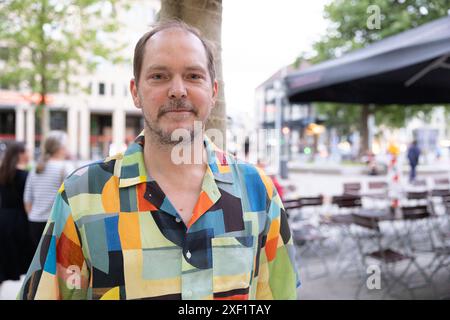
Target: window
point(101, 88)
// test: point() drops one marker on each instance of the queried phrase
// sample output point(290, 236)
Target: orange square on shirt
point(129, 231)
point(142, 203)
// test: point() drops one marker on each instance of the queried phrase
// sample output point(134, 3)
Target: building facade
point(99, 121)
point(285, 130)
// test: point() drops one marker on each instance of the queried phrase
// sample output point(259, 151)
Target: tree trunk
point(364, 130)
point(45, 113)
point(205, 15)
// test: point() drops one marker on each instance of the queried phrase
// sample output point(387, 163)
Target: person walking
point(15, 243)
point(43, 183)
point(413, 158)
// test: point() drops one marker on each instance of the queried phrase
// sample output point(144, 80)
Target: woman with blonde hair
point(43, 183)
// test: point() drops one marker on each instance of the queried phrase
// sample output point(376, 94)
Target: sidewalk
point(336, 168)
point(9, 289)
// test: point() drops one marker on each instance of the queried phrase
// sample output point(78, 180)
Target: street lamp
point(280, 152)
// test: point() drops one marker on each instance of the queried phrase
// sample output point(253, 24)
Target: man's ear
point(215, 91)
point(134, 93)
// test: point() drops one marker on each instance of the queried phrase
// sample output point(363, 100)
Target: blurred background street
point(345, 105)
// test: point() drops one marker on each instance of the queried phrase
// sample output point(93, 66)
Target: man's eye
point(157, 76)
point(195, 76)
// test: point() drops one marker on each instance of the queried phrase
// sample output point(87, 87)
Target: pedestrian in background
point(44, 181)
point(15, 243)
point(413, 158)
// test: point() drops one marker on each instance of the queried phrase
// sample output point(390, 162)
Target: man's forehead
point(170, 34)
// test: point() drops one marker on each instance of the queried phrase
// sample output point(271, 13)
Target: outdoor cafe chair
point(308, 236)
point(291, 206)
point(442, 182)
point(441, 254)
point(419, 183)
point(416, 228)
point(352, 188)
point(309, 242)
point(413, 198)
point(377, 195)
point(377, 189)
point(394, 264)
point(339, 220)
point(439, 198)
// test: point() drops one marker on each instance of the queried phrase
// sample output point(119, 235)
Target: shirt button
point(178, 220)
point(188, 254)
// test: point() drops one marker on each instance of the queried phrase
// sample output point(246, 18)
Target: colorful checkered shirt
point(113, 234)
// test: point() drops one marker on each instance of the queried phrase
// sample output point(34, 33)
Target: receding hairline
point(172, 29)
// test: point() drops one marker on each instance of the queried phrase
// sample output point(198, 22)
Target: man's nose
point(177, 88)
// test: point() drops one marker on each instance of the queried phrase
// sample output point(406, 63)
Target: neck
point(21, 166)
point(174, 160)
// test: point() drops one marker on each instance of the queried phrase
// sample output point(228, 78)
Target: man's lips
point(179, 111)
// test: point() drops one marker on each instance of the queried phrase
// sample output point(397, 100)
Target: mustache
point(177, 105)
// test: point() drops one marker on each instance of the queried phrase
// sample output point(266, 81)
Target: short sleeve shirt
point(113, 234)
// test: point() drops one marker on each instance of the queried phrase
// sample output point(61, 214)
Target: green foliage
point(48, 42)
point(348, 31)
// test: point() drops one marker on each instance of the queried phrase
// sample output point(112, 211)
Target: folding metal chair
point(377, 194)
point(378, 189)
point(419, 183)
point(308, 236)
point(417, 197)
point(417, 228)
point(352, 188)
point(441, 248)
point(341, 221)
point(372, 248)
point(441, 182)
point(292, 207)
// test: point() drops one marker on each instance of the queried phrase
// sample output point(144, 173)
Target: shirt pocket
point(233, 260)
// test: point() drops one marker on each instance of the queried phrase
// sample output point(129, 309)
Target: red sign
point(14, 97)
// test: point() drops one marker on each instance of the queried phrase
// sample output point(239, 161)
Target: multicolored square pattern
point(113, 234)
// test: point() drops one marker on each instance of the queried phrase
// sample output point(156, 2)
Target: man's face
point(174, 88)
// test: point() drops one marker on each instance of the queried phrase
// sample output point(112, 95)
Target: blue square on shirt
point(256, 191)
point(50, 262)
point(112, 233)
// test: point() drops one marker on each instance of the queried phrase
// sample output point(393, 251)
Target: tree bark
point(364, 130)
point(205, 15)
point(42, 104)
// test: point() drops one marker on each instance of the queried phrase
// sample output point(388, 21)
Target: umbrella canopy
point(412, 67)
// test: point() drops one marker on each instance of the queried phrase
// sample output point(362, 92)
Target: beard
point(164, 138)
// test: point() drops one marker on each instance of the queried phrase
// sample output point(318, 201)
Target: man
point(140, 226)
point(413, 157)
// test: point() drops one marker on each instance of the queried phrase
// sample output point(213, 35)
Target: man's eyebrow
point(156, 67)
point(196, 68)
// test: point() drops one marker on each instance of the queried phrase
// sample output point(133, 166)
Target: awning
point(412, 67)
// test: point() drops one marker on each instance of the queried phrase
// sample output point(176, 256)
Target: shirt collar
point(133, 171)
